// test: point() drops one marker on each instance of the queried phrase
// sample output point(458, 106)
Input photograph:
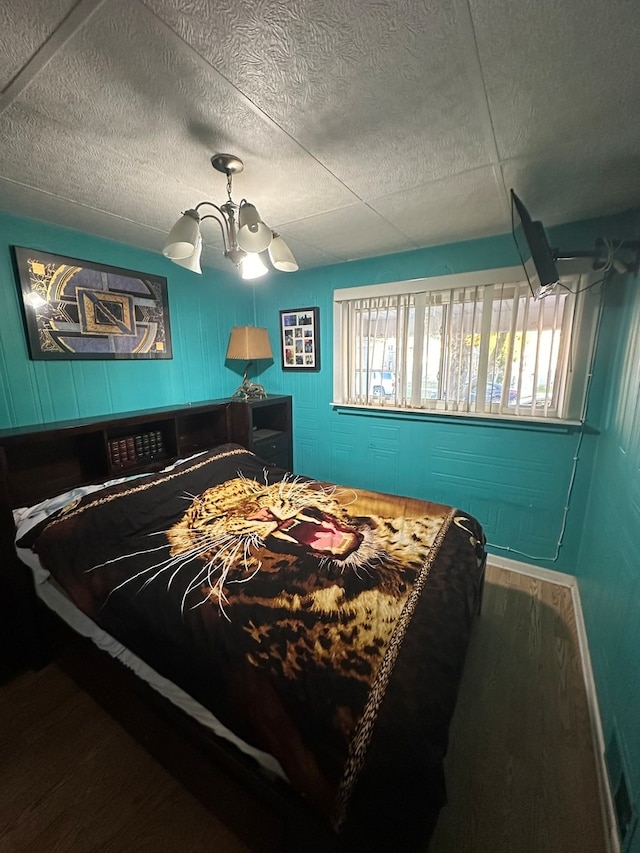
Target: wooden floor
point(521, 774)
point(520, 769)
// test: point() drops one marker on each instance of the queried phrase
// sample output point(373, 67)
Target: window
point(476, 343)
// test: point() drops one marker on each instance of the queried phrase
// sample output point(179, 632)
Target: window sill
point(469, 418)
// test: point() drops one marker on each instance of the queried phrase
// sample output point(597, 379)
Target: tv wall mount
point(539, 259)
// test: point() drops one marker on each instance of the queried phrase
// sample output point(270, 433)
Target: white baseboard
point(550, 575)
point(563, 579)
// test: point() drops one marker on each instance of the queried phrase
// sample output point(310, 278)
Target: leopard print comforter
point(325, 625)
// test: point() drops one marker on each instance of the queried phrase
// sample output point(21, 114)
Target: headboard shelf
point(45, 459)
point(136, 417)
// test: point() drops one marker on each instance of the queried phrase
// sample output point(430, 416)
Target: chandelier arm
point(209, 204)
point(222, 222)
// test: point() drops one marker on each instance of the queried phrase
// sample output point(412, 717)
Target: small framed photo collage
point(300, 339)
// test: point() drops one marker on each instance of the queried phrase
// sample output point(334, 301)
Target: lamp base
point(249, 391)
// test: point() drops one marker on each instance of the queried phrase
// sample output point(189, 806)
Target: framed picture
point(82, 310)
point(300, 339)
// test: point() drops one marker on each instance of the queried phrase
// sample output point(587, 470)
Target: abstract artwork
point(83, 310)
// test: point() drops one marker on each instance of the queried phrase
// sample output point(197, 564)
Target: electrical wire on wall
point(583, 420)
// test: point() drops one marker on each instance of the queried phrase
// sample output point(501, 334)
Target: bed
point(317, 631)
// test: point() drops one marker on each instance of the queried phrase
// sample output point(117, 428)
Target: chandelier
point(248, 241)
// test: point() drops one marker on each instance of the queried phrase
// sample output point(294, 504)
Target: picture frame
point(300, 338)
point(75, 309)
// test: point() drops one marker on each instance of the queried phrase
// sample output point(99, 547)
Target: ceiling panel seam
point(66, 29)
point(432, 182)
point(251, 104)
point(75, 203)
point(394, 225)
point(484, 108)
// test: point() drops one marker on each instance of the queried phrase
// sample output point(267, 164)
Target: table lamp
point(249, 343)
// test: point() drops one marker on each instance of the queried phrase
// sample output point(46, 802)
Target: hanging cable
point(576, 455)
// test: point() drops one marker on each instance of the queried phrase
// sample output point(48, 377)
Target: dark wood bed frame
point(39, 462)
point(42, 461)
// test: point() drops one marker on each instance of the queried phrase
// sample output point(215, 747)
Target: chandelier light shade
point(280, 255)
point(249, 343)
point(244, 235)
point(253, 234)
point(252, 266)
point(183, 237)
point(192, 261)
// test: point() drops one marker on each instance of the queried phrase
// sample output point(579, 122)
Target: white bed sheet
point(54, 597)
point(57, 601)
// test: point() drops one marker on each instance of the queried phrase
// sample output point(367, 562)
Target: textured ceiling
point(366, 126)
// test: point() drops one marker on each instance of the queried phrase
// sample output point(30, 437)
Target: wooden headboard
point(41, 461)
point(38, 462)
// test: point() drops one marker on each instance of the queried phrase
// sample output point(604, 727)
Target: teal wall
point(609, 562)
point(202, 311)
point(515, 479)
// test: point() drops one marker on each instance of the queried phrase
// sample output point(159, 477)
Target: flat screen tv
point(537, 258)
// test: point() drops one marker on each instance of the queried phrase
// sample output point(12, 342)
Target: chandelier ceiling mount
point(228, 164)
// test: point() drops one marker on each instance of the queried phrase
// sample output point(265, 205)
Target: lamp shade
point(183, 237)
point(192, 261)
point(246, 343)
point(281, 255)
point(253, 234)
point(252, 266)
